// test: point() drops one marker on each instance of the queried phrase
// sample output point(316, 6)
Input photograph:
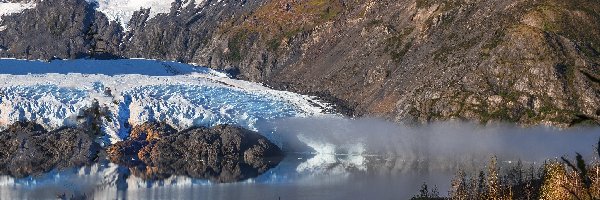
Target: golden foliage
point(566, 180)
point(485, 186)
point(556, 177)
point(562, 183)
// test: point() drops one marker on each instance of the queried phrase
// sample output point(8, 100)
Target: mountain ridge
point(528, 62)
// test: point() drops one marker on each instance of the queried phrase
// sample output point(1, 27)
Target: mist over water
point(447, 142)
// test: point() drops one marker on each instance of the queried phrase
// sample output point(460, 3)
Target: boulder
point(223, 153)
point(27, 149)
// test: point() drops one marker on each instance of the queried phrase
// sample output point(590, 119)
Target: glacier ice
point(135, 91)
point(39, 103)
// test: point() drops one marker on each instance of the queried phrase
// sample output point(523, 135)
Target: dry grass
point(288, 17)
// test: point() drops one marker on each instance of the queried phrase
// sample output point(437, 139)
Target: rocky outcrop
point(27, 149)
point(526, 61)
point(223, 153)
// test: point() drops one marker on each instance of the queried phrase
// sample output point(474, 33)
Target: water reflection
point(224, 171)
point(296, 177)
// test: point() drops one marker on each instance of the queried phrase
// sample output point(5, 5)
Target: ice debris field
point(134, 91)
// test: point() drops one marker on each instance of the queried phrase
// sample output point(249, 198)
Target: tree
point(459, 187)
point(581, 181)
point(493, 180)
point(425, 194)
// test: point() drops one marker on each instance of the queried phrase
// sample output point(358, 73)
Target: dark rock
point(27, 149)
point(28, 128)
point(223, 153)
point(139, 139)
point(125, 152)
point(151, 131)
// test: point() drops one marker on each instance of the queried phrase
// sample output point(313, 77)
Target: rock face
point(223, 153)
point(27, 149)
point(525, 61)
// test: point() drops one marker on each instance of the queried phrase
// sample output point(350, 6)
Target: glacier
point(134, 91)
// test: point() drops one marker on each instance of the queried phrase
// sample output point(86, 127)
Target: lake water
point(296, 177)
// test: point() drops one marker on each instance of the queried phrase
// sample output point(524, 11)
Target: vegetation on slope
point(277, 22)
point(555, 180)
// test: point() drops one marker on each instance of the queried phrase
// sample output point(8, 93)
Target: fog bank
point(442, 141)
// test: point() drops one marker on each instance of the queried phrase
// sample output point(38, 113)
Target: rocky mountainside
point(525, 61)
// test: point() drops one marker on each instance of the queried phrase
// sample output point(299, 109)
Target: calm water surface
point(296, 177)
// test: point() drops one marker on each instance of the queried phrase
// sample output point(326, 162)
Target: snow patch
point(122, 10)
point(7, 8)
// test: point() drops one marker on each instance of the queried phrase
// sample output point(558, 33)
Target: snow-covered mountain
point(122, 10)
point(133, 92)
